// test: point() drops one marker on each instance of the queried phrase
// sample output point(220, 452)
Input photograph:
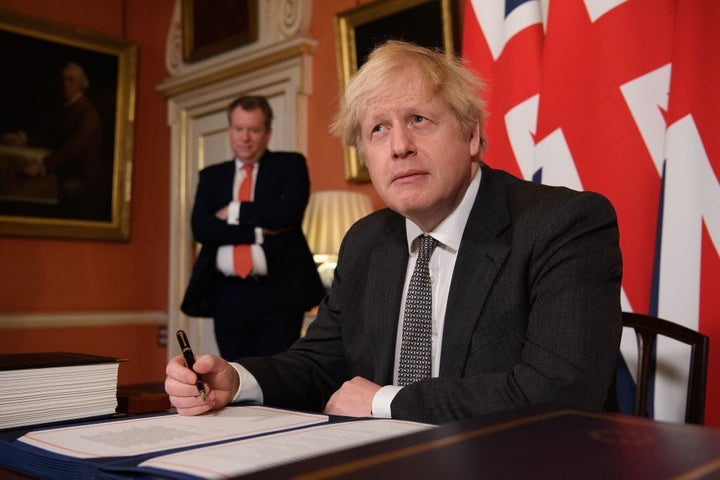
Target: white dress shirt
point(224, 259)
point(442, 264)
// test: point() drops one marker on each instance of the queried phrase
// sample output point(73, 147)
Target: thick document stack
point(40, 388)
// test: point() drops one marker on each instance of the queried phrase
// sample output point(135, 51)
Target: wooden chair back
point(647, 328)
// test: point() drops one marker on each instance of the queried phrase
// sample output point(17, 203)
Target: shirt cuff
point(382, 400)
point(233, 213)
point(249, 390)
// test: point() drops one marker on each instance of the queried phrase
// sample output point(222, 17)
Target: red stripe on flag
point(585, 63)
point(603, 78)
point(511, 79)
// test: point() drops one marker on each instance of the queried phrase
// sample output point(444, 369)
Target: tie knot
point(427, 245)
point(248, 167)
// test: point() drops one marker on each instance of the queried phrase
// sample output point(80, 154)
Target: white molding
point(84, 319)
point(278, 22)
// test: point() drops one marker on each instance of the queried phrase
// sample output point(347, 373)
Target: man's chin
point(410, 206)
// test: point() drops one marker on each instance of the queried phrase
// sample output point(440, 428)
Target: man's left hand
point(222, 214)
point(353, 399)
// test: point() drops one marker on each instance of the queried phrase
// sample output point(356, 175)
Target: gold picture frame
point(357, 31)
point(84, 191)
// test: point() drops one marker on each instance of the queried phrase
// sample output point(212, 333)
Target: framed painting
point(211, 27)
point(429, 23)
point(66, 130)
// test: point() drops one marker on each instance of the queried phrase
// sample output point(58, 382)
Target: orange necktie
point(242, 261)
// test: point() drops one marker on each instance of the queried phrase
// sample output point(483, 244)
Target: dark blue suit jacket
point(282, 190)
point(533, 314)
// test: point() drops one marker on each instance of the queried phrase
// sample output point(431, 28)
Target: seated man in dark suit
point(473, 292)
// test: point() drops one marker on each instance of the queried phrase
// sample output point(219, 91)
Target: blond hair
point(443, 75)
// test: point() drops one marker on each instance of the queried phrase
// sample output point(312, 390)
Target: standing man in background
point(255, 274)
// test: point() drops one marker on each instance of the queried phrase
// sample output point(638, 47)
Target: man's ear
point(475, 142)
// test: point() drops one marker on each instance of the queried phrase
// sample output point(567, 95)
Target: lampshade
point(328, 217)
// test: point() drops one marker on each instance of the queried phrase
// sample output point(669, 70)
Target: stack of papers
point(52, 387)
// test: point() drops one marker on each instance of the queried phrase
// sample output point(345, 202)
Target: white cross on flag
point(620, 97)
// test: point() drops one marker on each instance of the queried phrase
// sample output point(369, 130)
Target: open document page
point(259, 453)
point(136, 436)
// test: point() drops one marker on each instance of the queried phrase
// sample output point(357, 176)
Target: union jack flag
point(620, 97)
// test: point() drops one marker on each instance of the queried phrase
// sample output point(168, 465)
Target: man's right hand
point(220, 378)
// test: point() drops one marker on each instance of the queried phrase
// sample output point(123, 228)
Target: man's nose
point(401, 142)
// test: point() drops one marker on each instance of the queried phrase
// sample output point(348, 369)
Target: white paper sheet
point(245, 456)
point(134, 436)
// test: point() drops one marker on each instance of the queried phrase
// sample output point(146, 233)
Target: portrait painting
point(66, 130)
point(211, 27)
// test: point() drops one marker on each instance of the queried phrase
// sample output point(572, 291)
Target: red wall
point(48, 276)
point(43, 275)
point(325, 153)
point(137, 344)
point(63, 276)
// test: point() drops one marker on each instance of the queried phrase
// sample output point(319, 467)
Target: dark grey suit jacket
point(533, 312)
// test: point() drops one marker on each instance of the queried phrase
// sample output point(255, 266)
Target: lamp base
point(327, 271)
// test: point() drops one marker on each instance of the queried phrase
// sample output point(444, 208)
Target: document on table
point(136, 436)
point(259, 453)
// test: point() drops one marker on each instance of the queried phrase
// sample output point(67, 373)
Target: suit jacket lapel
point(264, 174)
point(479, 260)
point(225, 178)
point(384, 297)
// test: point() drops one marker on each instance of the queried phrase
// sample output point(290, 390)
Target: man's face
point(248, 136)
point(419, 164)
point(71, 83)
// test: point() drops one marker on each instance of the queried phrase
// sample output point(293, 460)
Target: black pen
point(190, 361)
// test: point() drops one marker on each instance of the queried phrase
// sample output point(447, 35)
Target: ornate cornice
point(288, 51)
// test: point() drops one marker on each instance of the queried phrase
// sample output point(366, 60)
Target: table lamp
point(328, 217)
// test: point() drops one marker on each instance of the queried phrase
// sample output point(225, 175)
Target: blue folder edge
point(28, 459)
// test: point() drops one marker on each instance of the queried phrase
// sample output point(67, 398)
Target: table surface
point(537, 443)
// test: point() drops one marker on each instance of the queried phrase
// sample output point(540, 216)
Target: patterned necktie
point(242, 261)
point(415, 349)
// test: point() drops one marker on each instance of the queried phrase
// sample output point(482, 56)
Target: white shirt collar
point(239, 164)
point(450, 231)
